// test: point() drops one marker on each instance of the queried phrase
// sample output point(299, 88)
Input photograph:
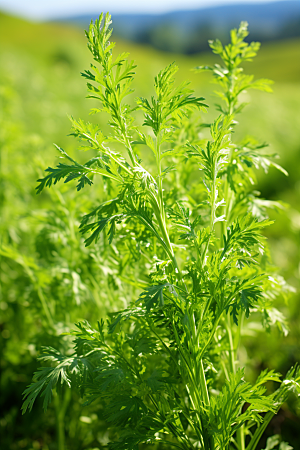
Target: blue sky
point(45, 9)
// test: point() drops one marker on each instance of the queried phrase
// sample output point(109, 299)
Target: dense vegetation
point(53, 286)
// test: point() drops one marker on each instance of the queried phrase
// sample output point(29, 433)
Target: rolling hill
point(188, 31)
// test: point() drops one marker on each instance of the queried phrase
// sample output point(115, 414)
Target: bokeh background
point(42, 52)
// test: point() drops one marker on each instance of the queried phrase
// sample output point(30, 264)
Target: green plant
point(165, 370)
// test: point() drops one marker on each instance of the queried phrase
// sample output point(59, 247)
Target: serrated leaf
point(46, 378)
point(124, 410)
point(152, 296)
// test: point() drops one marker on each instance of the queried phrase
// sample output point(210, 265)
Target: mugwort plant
point(187, 224)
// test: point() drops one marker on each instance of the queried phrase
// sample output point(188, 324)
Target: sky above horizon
point(39, 9)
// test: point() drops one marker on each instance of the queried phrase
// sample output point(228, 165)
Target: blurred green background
point(43, 280)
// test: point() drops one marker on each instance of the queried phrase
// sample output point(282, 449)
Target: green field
point(40, 85)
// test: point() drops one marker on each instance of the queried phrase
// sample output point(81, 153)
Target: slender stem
point(162, 216)
point(60, 409)
point(240, 326)
point(223, 227)
point(231, 348)
point(204, 384)
point(205, 395)
point(212, 333)
point(202, 379)
point(40, 294)
point(194, 405)
point(128, 145)
point(137, 374)
point(279, 399)
point(232, 364)
point(241, 437)
point(171, 427)
point(196, 429)
point(45, 307)
point(194, 392)
point(122, 122)
point(212, 210)
point(159, 211)
point(158, 164)
point(259, 431)
point(231, 101)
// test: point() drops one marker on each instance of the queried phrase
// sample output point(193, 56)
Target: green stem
point(203, 385)
point(137, 374)
point(223, 223)
point(259, 431)
point(241, 437)
point(194, 402)
point(171, 427)
point(60, 409)
point(159, 211)
point(158, 164)
point(121, 121)
point(232, 356)
point(205, 396)
point(212, 333)
point(279, 399)
point(212, 210)
point(231, 348)
point(193, 391)
point(45, 307)
point(40, 294)
point(200, 374)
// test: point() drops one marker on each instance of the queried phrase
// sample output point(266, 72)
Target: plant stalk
point(60, 410)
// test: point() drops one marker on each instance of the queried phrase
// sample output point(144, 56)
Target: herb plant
point(64, 282)
point(165, 370)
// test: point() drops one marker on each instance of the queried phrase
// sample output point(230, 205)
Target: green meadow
point(40, 86)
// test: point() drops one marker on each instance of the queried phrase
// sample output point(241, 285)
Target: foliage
point(165, 369)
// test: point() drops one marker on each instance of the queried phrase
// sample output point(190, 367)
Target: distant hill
point(188, 31)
